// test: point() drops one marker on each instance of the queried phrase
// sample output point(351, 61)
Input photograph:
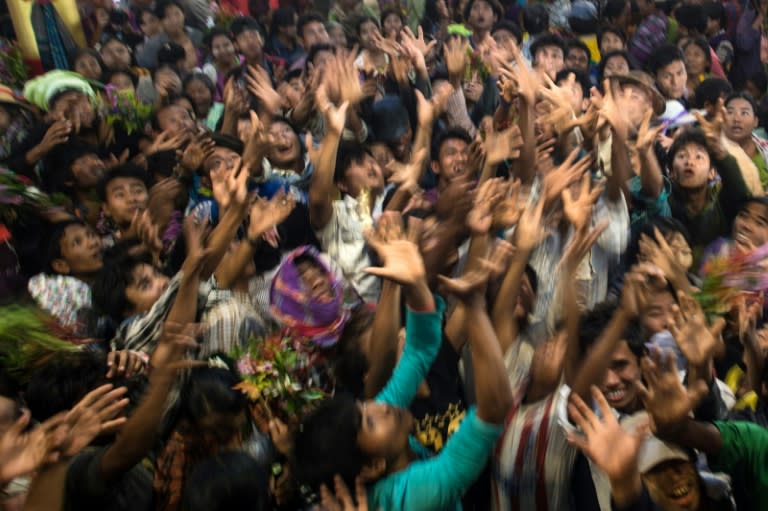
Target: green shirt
point(744, 456)
point(762, 168)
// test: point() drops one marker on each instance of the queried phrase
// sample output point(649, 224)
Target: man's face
point(150, 24)
point(87, 170)
point(173, 21)
point(124, 197)
point(617, 65)
point(116, 56)
point(250, 44)
point(618, 384)
point(610, 42)
point(740, 120)
point(549, 59)
point(481, 16)
point(221, 159)
point(502, 37)
point(691, 167)
point(671, 80)
point(176, 119)
point(674, 486)
point(451, 160)
point(635, 101)
point(577, 58)
point(145, 289)
point(365, 174)
point(314, 33)
point(657, 315)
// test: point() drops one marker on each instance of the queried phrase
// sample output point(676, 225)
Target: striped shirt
point(533, 460)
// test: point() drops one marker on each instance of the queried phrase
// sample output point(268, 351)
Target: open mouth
point(616, 395)
point(682, 495)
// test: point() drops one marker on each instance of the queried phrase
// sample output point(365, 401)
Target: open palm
point(399, 253)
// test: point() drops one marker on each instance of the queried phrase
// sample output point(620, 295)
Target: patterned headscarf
point(319, 320)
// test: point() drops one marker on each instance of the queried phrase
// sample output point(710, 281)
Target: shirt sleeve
point(423, 336)
point(744, 452)
point(734, 190)
point(439, 482)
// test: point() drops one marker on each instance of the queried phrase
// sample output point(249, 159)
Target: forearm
point(702, 436)
point(232, 264)
point(598, 358)
point(446, 238)
point(504, 322)
point(46, 492)
point(527, 161)
point(651, 180)
point(222, 236)
point(229, 123)
point(300, 114)
point(492, 389)
point(384, 333)
point(321, 188)
point(734, 190)
point(627, 491)
point(620, 167)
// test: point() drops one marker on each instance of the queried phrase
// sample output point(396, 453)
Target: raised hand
point(696, 339)
point(578, 211)
point(472, 284)
point(646, 135)
point(456, 60)
point(561, 114)
point(612, 448)
point(508, 210)
point(260, 85)
point(341, 500)
point(348, 79)
point(658, 252)
point(610, 111)
point(195, 234)
point(580, 245)
point(265, 214)
point(166, 141)
point(197, 150)
point(713, 130)
point(487, 198)
point(57, 134)
point(95, 414)
point(398, 251)
point(125, 363)
point(637, 289)
point(24, 451)
point(528, 82)
point(429, 110)
point(502, 145)
point(407, 175)
point(257, 144)
point(530, 230)
point(555, 181)
point(235, 99)
point(335, 118)
point(668, 403)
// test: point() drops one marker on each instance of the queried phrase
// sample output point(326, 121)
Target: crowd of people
point(388, 255)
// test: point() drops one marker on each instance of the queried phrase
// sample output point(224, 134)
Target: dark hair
point(214, 33)
point(362, 20)
point(389, 12)
point(130, 74)
point(210, 389)
point(351, 363)
point(746, 96)
point(53, 250)
point(141, 12)
point(687, 136)
point(349, 153)
point(608, 56)
point(155, 119)
point(614, 8)
point(533, 278)
point(326, 444)
point(162, 6)
point(593, 323)
point(663, 56)
point(449, 134)
point(63, 380)
point(243, 24)
point(511, 27)
point(229, 481)
point(582, 79)
point(127, 170)
point(82, 52)
point(170, 53)
point(108, 289)
point(577, 43)
point(666, 225)
point(282, 17)
point(710, 90)
point(759, 78)
point(200, 77)
point(610, 29)
point(535, 18)
point(317, 48)
point(495, 6)
point(703, 46)
point(692, 17)
point(715, 11)
point(307, 18)
point(545, 40)
point(59, 175)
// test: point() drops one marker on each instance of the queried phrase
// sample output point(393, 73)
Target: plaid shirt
point(651, 34)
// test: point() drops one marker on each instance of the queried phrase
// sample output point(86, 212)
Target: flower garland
point(18, 195)
point(729, 278)
point(282, 375)
point(124, 108)
point(13, 70)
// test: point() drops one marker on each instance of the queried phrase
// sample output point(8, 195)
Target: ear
point(60, 266)
point(434, 165)
point(342, 186)
point(374, 470)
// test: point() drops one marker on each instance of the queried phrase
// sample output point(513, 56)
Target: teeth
point(680, 491)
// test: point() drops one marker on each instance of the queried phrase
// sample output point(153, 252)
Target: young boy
point(124, 193)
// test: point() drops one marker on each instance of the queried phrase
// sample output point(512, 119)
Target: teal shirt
point(438, 482)
point(744, 456)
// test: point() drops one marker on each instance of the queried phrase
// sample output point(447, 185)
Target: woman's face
point(617, 65)
point(122, 82)
point(88, 66)
point(145, 289)
point(116, 56)
point(222, 49)
point(611, 42)
point(173, 21)
point(315, 280)
point(392, 25)
point(473, 89)
point(696, 62)
point(367, 30)
point(201, 97)
point(338, 37)
point(740, 120)
point(384, 430)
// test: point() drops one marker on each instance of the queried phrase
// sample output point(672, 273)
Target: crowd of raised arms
point(386, 255)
